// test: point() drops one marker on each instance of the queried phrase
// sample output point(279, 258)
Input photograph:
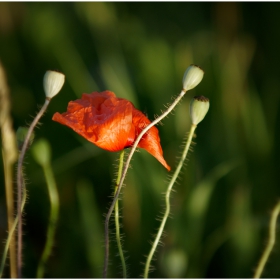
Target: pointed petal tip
point(164, 163)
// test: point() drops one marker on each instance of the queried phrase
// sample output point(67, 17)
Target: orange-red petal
point(106, 122)
point(110, 123)
point(150, 140)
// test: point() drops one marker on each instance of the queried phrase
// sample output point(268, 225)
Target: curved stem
point(20, 184)
point(271, 241)
point(167, 201)
point(54, 210)
point(157, 120)
point(117, 216)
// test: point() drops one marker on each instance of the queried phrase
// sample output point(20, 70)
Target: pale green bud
point(41, 151)
point(53, 82)
point(21, 135)
point(199, 107)
point(192, 77)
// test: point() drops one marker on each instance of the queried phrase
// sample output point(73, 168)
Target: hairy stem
point(167, 201)
point(108, 216)
point(118, 237)
point(271, 241)
point(20, 185)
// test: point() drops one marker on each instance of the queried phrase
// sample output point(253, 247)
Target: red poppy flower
point(111, 123)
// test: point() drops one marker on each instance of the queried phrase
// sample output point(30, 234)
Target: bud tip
point(53, 82)
point(199, 107)
point(192, 77)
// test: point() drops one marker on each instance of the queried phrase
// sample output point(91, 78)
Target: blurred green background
point(221, 206)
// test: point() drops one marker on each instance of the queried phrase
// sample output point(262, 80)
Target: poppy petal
point(110, 123)
point(150, 140)
point(105, 122)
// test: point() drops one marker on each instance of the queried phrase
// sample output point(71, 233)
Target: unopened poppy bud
point(192, 77)
point(41, 151)
point(53, 82)
point(199, 107)
point(21, 135)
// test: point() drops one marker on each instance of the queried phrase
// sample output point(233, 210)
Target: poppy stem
point(117, 215)
point(108, 216)
point(271, 241)
point(20, 185)
point(118, 238)
point(167, 200)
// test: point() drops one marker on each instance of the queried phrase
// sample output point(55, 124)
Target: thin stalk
point(54, 211)
point(108, 216)
point(8, 173)
point(118, 238)
point(167, 201)
point(271, 241)
point(10, 236)
point(10, 156)
point(20, 186)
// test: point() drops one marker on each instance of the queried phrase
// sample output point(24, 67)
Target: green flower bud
point(199, 107)
point(53, 82)
point(41, 151)
point(192, 77)
point(21, 135)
